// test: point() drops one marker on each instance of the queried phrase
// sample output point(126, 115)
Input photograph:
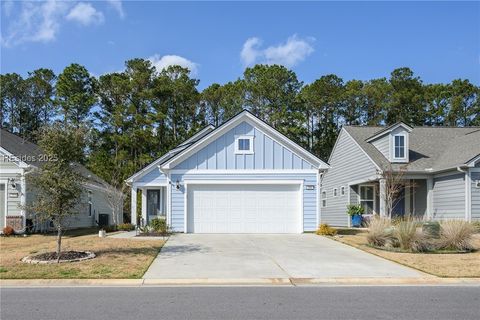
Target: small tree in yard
point(394, 184)
point(115, 197)
point(58, 185)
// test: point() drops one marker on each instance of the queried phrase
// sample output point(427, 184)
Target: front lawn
point(443, 265)
point(116, 258)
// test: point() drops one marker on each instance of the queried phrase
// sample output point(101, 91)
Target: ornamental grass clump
point(455, 235)
point(409, 238)
point(380, 232)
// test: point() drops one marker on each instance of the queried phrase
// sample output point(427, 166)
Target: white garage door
point(243, 208)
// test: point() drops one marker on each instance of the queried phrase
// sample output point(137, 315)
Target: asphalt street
point(364, 302)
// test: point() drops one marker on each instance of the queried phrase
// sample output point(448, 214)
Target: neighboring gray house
point(242, 177)
point(19, 158)
point(440, 167)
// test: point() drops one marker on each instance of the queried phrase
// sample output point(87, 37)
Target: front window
point(342, 191)
point(156, 202)
point(244, 145)
point(324, 199)
point(367, 198)
point(335, 192)
point(399, 146)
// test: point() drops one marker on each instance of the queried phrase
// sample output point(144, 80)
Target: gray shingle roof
point(438, 148)
point(29, 153)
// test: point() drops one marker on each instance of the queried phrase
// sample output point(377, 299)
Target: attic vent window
point(399, 147)
point(244, 145)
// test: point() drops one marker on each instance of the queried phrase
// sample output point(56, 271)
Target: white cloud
point(37, 22)
point(250, 52)
point(163, 62)
point(118, 6)
point(86, 14)
point(289, 53)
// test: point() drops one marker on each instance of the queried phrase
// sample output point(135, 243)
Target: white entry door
point(244, 208)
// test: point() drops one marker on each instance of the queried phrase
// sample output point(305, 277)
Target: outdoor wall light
point(177, 184)
point(12, 183)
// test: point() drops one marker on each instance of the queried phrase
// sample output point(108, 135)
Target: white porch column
point(23, 200)
point(382, 197)
point(430, 197)
point(144, 205)
point(133, 206)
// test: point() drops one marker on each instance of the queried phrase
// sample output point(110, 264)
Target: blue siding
point(309, 196)
point(154, 176)
point(220, 154)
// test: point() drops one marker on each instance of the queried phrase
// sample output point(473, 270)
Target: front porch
point(411, 198)
point(153, 203)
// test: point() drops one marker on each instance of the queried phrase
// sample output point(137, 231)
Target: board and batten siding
point(220, 154)
point(309, 196)
point(475, 196)
point(449, 197)
point(348, 163)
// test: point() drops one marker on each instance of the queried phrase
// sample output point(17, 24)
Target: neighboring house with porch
point(19, 158)
point(440, 168)
point(241, 177)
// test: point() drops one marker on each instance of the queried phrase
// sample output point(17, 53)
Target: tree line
point(136, 115)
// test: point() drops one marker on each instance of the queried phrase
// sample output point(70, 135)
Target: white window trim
point(342, 191)
point(324, 198)
point(359, 196)
point(405, 147)
point(250, 151)
point(335, 192)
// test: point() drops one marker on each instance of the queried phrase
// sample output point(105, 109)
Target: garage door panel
point(243, 208)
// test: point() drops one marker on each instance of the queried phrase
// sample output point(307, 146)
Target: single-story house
point(18, 158)
point(439, 168)
point(241, 177)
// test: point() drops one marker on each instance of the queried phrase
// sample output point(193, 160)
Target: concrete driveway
point(235, 256)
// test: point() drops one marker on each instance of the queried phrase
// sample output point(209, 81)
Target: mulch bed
point(153, 234)
point(65, 256)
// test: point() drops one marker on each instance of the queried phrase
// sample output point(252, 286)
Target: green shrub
point(455, 235)
point(159, 225)
point(8, 231)
point(380, 232)
point(110, 228)
point(126, 227)
point(431, 229)
point(355, 209)
point(325, 230)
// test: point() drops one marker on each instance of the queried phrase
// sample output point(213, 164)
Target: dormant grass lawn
point(443, 265)
point(116, 258)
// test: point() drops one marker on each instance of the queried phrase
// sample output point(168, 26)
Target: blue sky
point(440, 41)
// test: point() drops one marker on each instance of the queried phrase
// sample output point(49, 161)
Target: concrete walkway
point(235, 256)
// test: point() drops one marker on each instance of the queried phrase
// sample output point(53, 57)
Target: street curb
point(238, 282)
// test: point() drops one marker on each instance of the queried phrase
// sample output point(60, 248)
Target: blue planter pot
point(356, 220)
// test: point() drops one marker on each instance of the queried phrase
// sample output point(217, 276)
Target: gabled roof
point(389, 129)
point(172, 152)
point(247, 116)
point(430, 148)
point(29, 153)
